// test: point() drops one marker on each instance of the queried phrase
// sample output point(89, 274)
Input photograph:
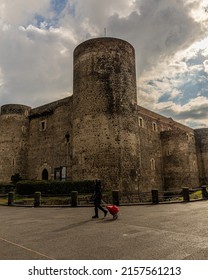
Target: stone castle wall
point(101, 132)
point(164, 146)
point(180, 167)
point(201, 136)
point(104, 110)
point(48, 143)
point(14, 125)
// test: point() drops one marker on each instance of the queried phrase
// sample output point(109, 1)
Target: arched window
point(45, 174)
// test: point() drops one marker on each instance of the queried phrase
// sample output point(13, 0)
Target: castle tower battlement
point(15, 109)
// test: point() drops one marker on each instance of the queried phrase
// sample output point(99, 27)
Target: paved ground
point(176, 231)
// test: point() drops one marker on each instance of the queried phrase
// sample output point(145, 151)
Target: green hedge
point(54, 187)
point(5, 188)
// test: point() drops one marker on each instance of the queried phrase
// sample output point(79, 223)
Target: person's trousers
point(98, 206)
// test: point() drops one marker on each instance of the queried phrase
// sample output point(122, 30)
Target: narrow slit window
point(152, 163)
point(141, 122)
point(154, 126)
point(42, 125)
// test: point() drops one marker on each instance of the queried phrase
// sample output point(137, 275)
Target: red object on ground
point(113, 209)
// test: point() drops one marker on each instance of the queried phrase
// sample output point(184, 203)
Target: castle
point(101, 132)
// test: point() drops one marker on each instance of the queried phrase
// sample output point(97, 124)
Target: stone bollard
point(11, 198)
point(185, 192)
point(204, 192)
point(74, 198)
point(155, 196)
point(115, 197)
point(37, 199)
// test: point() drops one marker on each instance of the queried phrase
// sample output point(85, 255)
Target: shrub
point(54, 187)
point(15, 178)
point(5, 188)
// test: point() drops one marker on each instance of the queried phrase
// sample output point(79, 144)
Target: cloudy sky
point(37, 39)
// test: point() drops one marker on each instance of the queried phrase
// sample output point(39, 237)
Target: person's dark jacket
point(97, 195)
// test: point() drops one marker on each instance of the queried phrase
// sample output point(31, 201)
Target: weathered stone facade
point(101, 132)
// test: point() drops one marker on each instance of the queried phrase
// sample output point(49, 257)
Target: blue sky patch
point(58, 5)
point(197, 60)
point(39, 19)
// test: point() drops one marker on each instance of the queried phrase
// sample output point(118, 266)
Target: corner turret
point(14, 127)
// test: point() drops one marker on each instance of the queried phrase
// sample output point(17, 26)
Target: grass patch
point(49, 200)
point(196, 195)
point(4, 200)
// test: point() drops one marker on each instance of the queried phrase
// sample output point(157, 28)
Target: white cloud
point(193, 113)
point(36, 68)
point(20, 12)
point(205, 66)
point(1, 78)
point(169, 37)
point(178, 92)
point(158, 29)
point(99, 11)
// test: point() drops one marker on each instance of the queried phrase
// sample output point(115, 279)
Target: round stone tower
point(201, 136)
point(180, 166)
point(105, 113)
point(13, 142)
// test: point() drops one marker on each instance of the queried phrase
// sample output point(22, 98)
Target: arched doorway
point(45, 174)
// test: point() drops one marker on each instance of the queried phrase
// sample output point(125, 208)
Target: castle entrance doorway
point(45, 174)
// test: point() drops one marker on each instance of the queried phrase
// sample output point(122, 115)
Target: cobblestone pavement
point(156, 232)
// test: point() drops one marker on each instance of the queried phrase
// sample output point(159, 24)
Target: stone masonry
point(101, 132)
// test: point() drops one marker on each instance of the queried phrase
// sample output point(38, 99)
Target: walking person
point(97, 200)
